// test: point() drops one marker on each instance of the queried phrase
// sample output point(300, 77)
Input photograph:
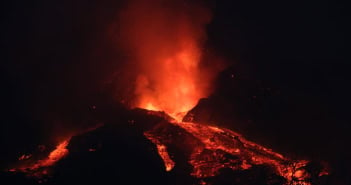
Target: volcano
point(157, 149)
point(174, 92)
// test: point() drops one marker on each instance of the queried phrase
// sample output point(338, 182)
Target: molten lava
point(40, 168)
point(166, 40)
point(54, 156)
point(211, 149)
point(162, 151)
point(167, 48)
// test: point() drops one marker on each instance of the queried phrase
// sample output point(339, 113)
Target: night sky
point(286, 84)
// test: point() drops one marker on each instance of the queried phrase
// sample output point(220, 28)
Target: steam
point(165, 40)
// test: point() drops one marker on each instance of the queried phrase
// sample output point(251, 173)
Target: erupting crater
point(169, 76)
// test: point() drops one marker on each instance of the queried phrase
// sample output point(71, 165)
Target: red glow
point(177, 91)
point(54, 156)
point(39, 168)
point(24, 157)
point(167, 44)
point(162, 151)
point(213, 148)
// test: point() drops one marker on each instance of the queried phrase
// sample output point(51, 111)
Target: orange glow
point(216, 139)
point(165, 41)
point(39, 168)
point(162, 151)
point(213, 148)
point(167, 44)
point(54, 156)
point(177, 90)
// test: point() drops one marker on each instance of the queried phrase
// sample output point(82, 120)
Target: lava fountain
point(166, 38)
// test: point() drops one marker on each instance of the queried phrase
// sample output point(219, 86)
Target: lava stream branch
point(222, 148)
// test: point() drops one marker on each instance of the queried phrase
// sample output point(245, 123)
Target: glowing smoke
point(166, 41)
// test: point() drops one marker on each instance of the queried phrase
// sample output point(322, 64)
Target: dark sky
point(56, 59)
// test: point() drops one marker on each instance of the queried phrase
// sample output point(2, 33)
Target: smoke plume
point(165, 40)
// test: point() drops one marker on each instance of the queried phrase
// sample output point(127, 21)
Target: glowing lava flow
point(218, 142)
point(40, 167)
point(162, 151)
point(210, 149)
point(171, 78)
point(54, 156)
